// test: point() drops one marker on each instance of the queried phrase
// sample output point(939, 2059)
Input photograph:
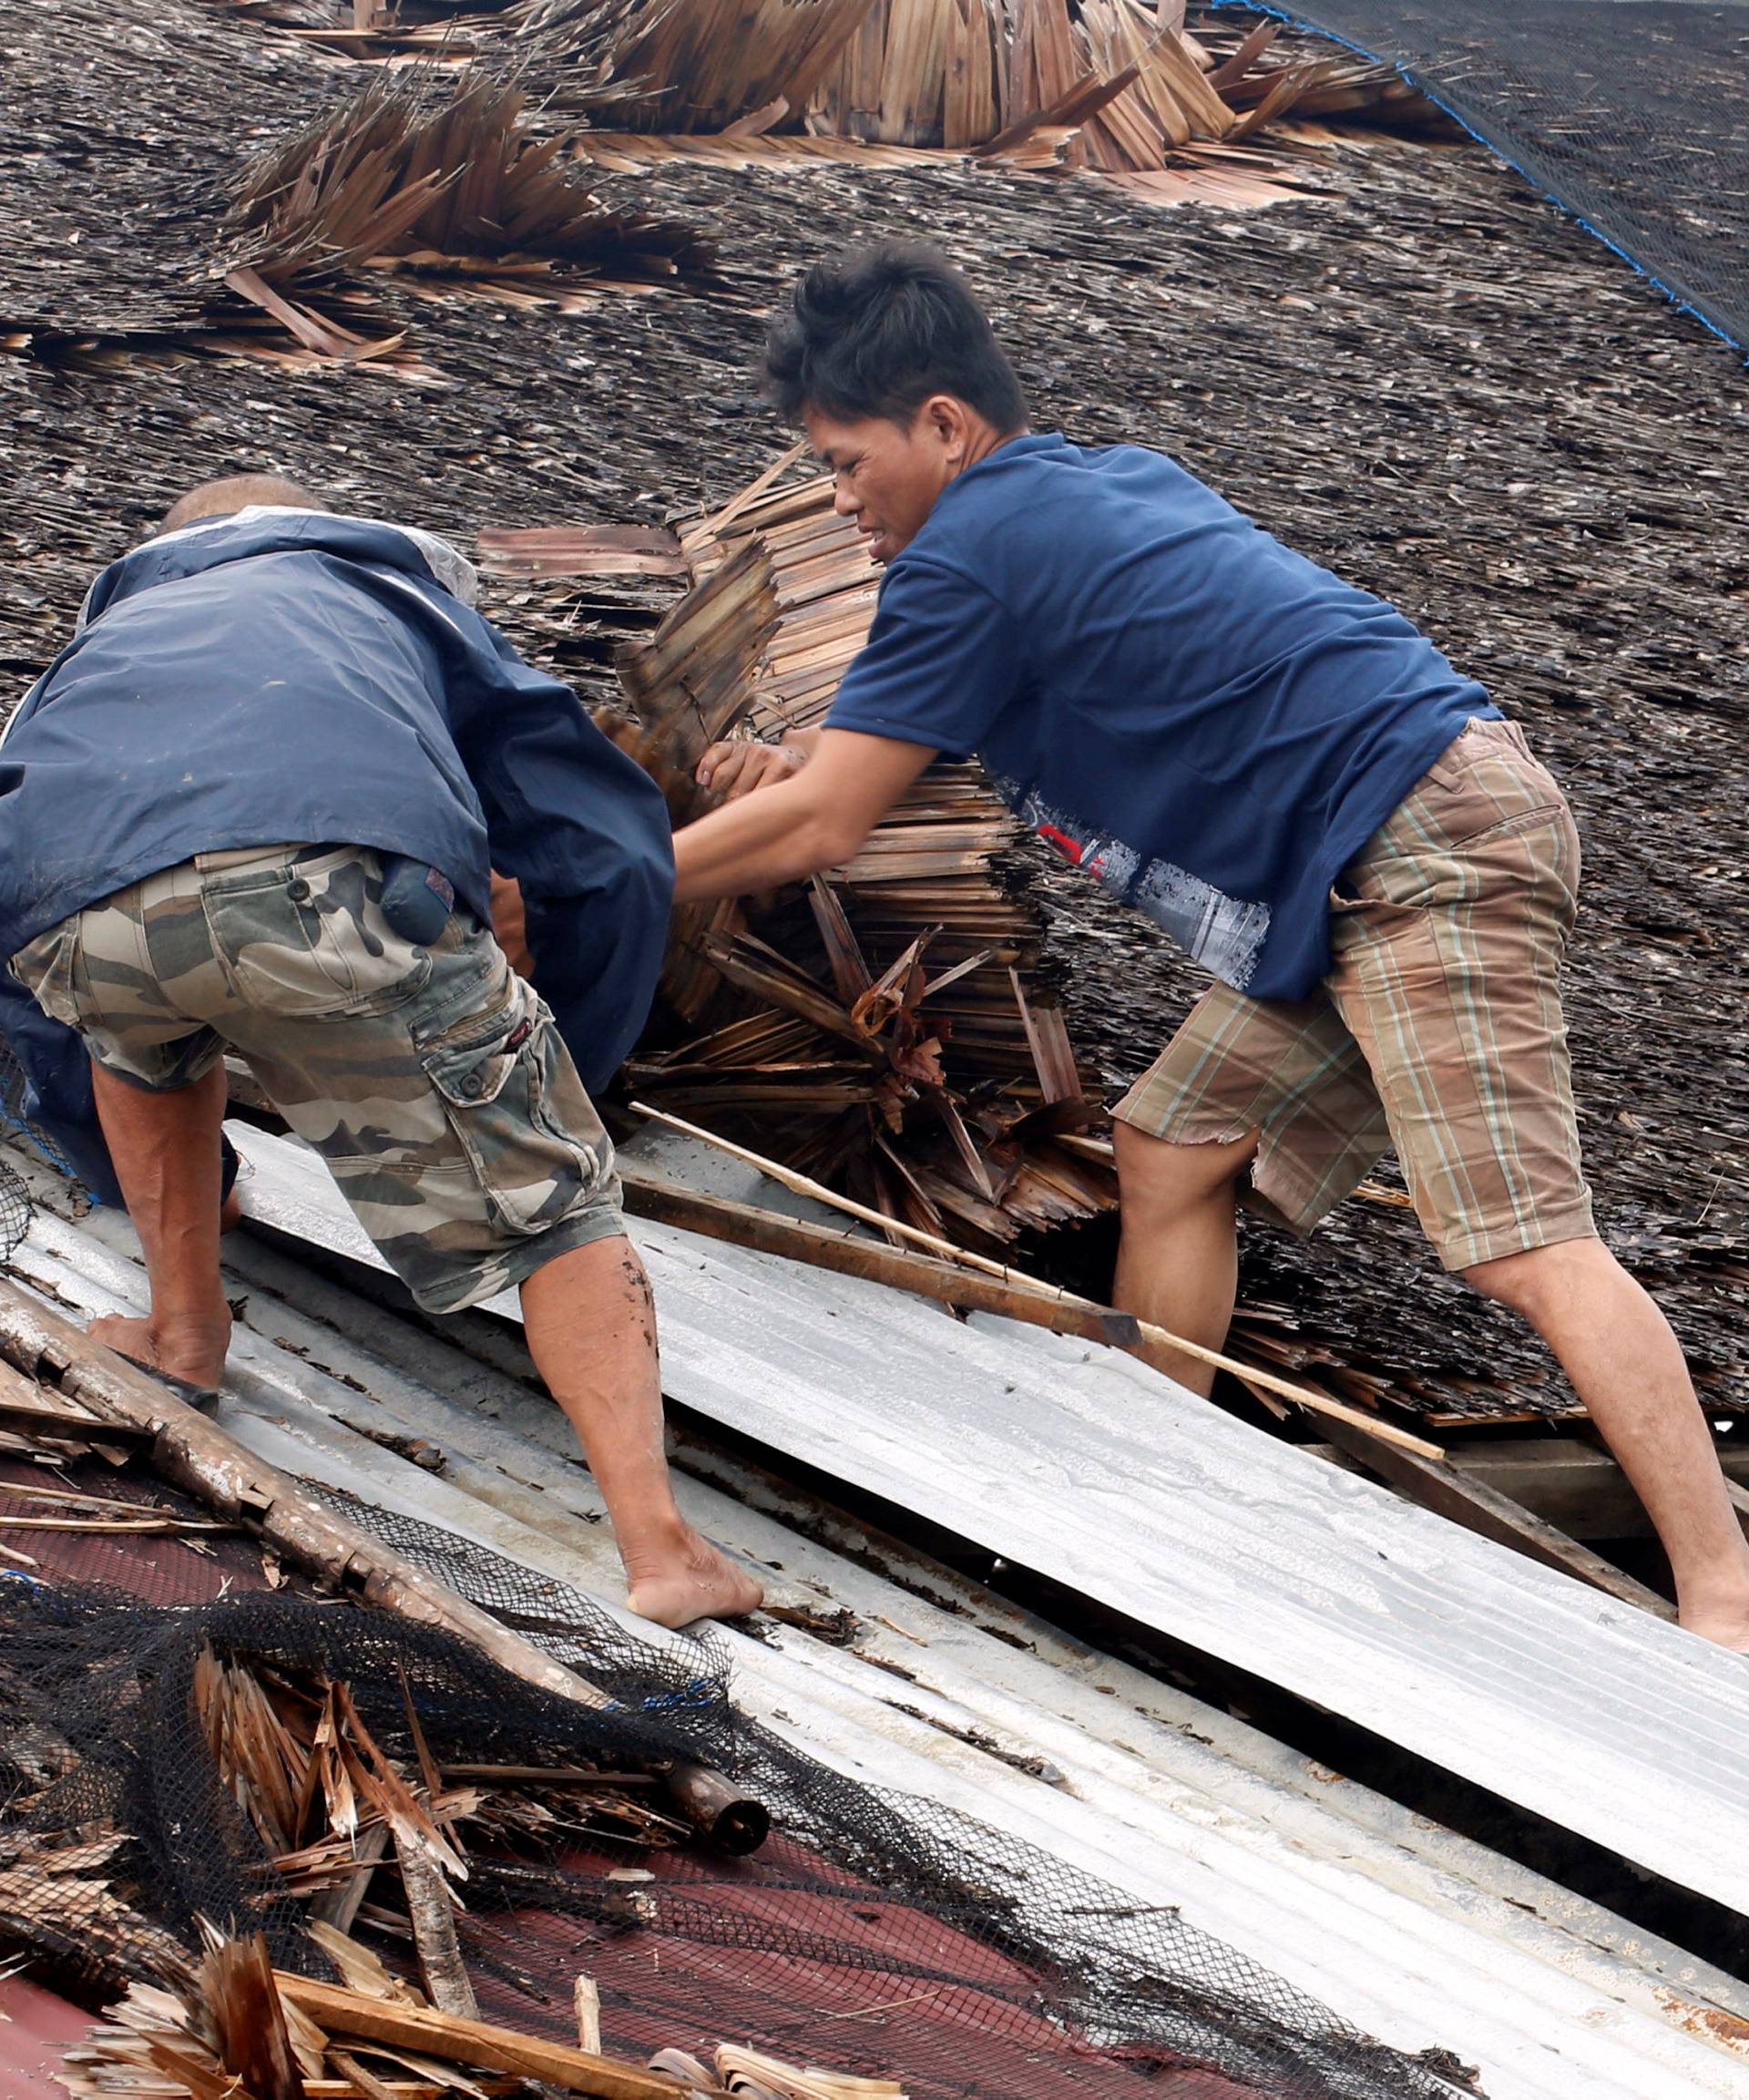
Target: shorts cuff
point(179, 1076)
point(1466, 1250)
point(1273, 1189)
point(601, 1218)
point(1177, 1125)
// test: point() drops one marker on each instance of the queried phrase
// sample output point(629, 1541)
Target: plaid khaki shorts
point(432, 1079)
point(1438, 1032)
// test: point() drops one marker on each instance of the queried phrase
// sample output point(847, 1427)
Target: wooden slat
point(453, 2040)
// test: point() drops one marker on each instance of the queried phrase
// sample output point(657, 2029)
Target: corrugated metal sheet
point(1417, 1936)
point(1081, 1464)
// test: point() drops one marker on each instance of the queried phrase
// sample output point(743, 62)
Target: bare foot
point(230, 1212)
point(194, 1350)
point(1729, 1628)
point(697, 1581)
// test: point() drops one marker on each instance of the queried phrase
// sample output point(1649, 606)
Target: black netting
point(882, 1934)
point(15, 1211)
point(1632, 114)
point(15, 1200)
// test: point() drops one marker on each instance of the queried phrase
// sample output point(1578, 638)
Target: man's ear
point(948, 421)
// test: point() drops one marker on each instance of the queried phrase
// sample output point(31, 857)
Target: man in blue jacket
point(255, 804)
point(1281, 773)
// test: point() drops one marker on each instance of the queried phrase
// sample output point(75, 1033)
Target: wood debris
point(240, 2027)
point(886, 1034)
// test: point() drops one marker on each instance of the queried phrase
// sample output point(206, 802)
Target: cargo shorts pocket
point(313, 942)
point(516, 1108)
point(45, 968)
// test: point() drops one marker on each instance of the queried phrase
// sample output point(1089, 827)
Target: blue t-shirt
point(1209, 724)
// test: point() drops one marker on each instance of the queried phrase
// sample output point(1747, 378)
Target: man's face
point(887, 475)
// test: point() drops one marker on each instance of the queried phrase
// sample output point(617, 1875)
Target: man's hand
point(816, 818)
point(510, 924)
point(738, 765)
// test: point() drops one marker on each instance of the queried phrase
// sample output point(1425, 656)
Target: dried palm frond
point(454, 30)
point(75, 1901)
point(455, 195)
point(739, 66)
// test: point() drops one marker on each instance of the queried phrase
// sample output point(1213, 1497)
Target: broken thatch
point(1112, 85)
point(458, 197)
point(878, 1035)
point(1420, 375)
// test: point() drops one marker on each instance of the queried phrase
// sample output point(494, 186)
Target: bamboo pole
point(875, 1260)
point(1150, 1342)
point(195, 1454)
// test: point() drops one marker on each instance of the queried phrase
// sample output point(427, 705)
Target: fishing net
point(1632, 114)
point(881, 1934)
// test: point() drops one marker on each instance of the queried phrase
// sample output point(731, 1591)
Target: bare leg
point(166, 1151)
point(592, 1327)
point(1627, 1368)
point(1178, 1259)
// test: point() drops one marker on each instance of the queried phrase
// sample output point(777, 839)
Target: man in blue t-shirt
point(1283, 772)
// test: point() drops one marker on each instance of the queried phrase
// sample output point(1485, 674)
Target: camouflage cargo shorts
point(432, 1079)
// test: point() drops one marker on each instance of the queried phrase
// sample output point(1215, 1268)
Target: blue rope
point(1413, 79)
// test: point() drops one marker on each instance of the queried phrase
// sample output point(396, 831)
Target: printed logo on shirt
point(1224, 933)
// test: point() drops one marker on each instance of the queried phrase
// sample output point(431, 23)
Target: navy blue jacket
point(288, 676)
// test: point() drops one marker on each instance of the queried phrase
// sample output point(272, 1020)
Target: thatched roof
point(1419, 374)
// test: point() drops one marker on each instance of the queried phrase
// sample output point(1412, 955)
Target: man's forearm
point(756, 843)
point(815, 819)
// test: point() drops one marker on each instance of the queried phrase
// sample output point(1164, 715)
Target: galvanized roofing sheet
point(1420, 1937)
point(1081, 1464)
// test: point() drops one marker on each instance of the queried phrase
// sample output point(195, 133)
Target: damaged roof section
point(435, 1440)
point(329, 1831)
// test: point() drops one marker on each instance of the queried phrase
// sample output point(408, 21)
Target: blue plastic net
point(1633, 115)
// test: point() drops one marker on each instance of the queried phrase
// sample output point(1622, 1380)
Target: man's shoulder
point(1042, 508)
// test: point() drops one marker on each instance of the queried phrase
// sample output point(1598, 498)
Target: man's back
point(1210, 722)
point(288, 676)
point(285, 675)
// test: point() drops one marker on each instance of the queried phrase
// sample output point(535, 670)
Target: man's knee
point(1155, 1176)
point(1535, 1282)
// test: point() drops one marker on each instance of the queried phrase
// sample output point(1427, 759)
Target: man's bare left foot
point(193, 1351)
point(698, 1582)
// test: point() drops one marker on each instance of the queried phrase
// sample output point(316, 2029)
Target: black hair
point(878, 330)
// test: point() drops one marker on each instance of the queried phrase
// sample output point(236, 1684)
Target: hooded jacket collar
point(270, 530)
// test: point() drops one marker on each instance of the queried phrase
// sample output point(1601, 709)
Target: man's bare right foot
point(697, 1582)
point(1729, 1629)
point(192, 1351)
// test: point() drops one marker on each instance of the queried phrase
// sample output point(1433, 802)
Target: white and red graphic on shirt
point(1224, 933)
